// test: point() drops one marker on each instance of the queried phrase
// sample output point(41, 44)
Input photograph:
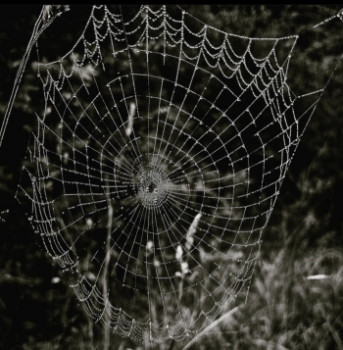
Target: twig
point(107, 312)
point(214, 324)
point(42, 23)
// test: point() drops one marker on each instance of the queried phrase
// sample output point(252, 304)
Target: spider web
point(156, 163)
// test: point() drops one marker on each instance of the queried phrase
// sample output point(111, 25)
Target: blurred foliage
point(288, 306)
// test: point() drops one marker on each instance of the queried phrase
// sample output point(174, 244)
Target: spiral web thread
point(156, 164)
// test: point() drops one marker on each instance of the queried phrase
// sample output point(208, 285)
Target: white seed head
point(55, 280)
point(178, 253)
point(150, 246)
point(184, 267)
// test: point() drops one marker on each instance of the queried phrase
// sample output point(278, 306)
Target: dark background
point(304, 237)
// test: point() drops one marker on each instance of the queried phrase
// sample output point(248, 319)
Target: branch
point(105, 289)
point(46, 17)
point(226, 317)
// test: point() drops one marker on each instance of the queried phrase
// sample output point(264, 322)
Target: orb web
point(156, 163)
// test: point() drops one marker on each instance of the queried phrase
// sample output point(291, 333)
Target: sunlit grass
point(286, 308)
